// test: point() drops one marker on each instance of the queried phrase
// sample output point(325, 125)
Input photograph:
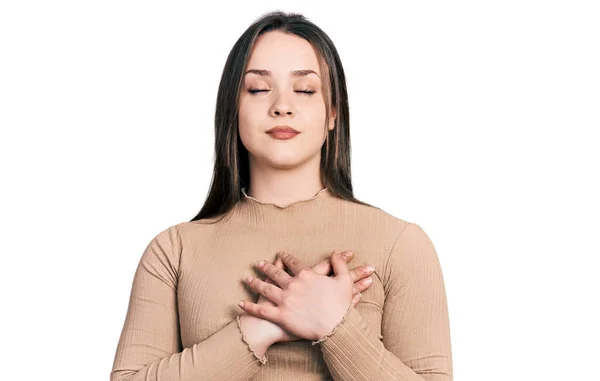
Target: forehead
point(280, 53)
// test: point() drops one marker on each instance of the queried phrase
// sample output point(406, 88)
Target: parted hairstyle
point(231, 168)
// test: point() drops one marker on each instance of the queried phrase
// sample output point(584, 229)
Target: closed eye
point(308, 92)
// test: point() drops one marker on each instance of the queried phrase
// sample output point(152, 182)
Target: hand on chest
point(213, 284)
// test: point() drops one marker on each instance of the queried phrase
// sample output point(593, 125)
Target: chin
point(284, 161)
point(285, 157)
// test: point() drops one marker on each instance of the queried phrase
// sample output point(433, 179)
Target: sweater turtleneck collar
point(304, 216)
point(320, 195)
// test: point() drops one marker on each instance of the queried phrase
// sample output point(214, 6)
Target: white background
point(478, 120)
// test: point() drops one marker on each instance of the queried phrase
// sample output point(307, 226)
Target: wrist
point(258, 332)
point(330, 328)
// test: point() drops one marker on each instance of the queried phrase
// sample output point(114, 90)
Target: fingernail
point(370, 268)
point(368, 281)
point(241, 304)
point(261, 263)
point(249, 278)
point(347, 254)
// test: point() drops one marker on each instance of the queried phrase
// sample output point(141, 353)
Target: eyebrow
point(295, 73)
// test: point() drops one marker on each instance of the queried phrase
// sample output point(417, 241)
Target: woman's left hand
point(308, 305)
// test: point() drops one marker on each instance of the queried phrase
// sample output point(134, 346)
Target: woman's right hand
point(360, 276)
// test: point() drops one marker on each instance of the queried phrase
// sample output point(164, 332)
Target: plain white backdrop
point(478, 120)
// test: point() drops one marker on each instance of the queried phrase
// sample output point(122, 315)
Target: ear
point(332, 119)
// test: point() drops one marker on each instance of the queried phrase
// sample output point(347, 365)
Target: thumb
point(340, 269)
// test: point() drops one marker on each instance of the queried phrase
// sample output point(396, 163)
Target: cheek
point(245, 116)
point(315, 111)
point(315, 118)
point(246, 135)
point(248, 126)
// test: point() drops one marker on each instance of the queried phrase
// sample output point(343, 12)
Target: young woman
point(280, 202)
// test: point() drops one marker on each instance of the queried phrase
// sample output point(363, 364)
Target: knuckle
point(303, 273)
point(261, 310)
point(364, 285)
point(292, 283)
point(268, 289)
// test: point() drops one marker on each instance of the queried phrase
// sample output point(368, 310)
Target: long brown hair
point(231, 168)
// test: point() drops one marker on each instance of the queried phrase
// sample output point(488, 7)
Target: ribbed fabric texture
point(181, 323)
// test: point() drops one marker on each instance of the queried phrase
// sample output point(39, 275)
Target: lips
point(286, 129)
point(282, 132)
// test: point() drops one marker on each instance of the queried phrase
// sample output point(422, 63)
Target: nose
point(281, 106)
point(277, 112)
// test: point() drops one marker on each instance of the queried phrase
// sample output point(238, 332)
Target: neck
point(282, 186)
point(312, 214)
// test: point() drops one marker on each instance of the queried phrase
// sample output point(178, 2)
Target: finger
point(362, 285)
point(279, 276)
point(340, 268)
point(269, 291)
point(356, 299)
point(292, 262)
point(361, 272)
point(324, 267)
point(270, 313)
point(278, 264)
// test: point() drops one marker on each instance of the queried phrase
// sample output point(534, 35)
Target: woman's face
point(285, 99)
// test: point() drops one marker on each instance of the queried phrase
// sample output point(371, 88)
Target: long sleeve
point(415, 326)
point(150, 347)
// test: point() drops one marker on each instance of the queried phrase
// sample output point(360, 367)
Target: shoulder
point(188, 231)
point(169, 236)
point(394, 227)
point(168, 245)
point(412, 256)
point(378, 222)
point(162, 255)
point(406, 244)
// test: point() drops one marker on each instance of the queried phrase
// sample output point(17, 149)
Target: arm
point(150, 348)
point(415, 325)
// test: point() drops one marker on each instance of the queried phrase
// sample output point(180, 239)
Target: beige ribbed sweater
point(181, 321)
